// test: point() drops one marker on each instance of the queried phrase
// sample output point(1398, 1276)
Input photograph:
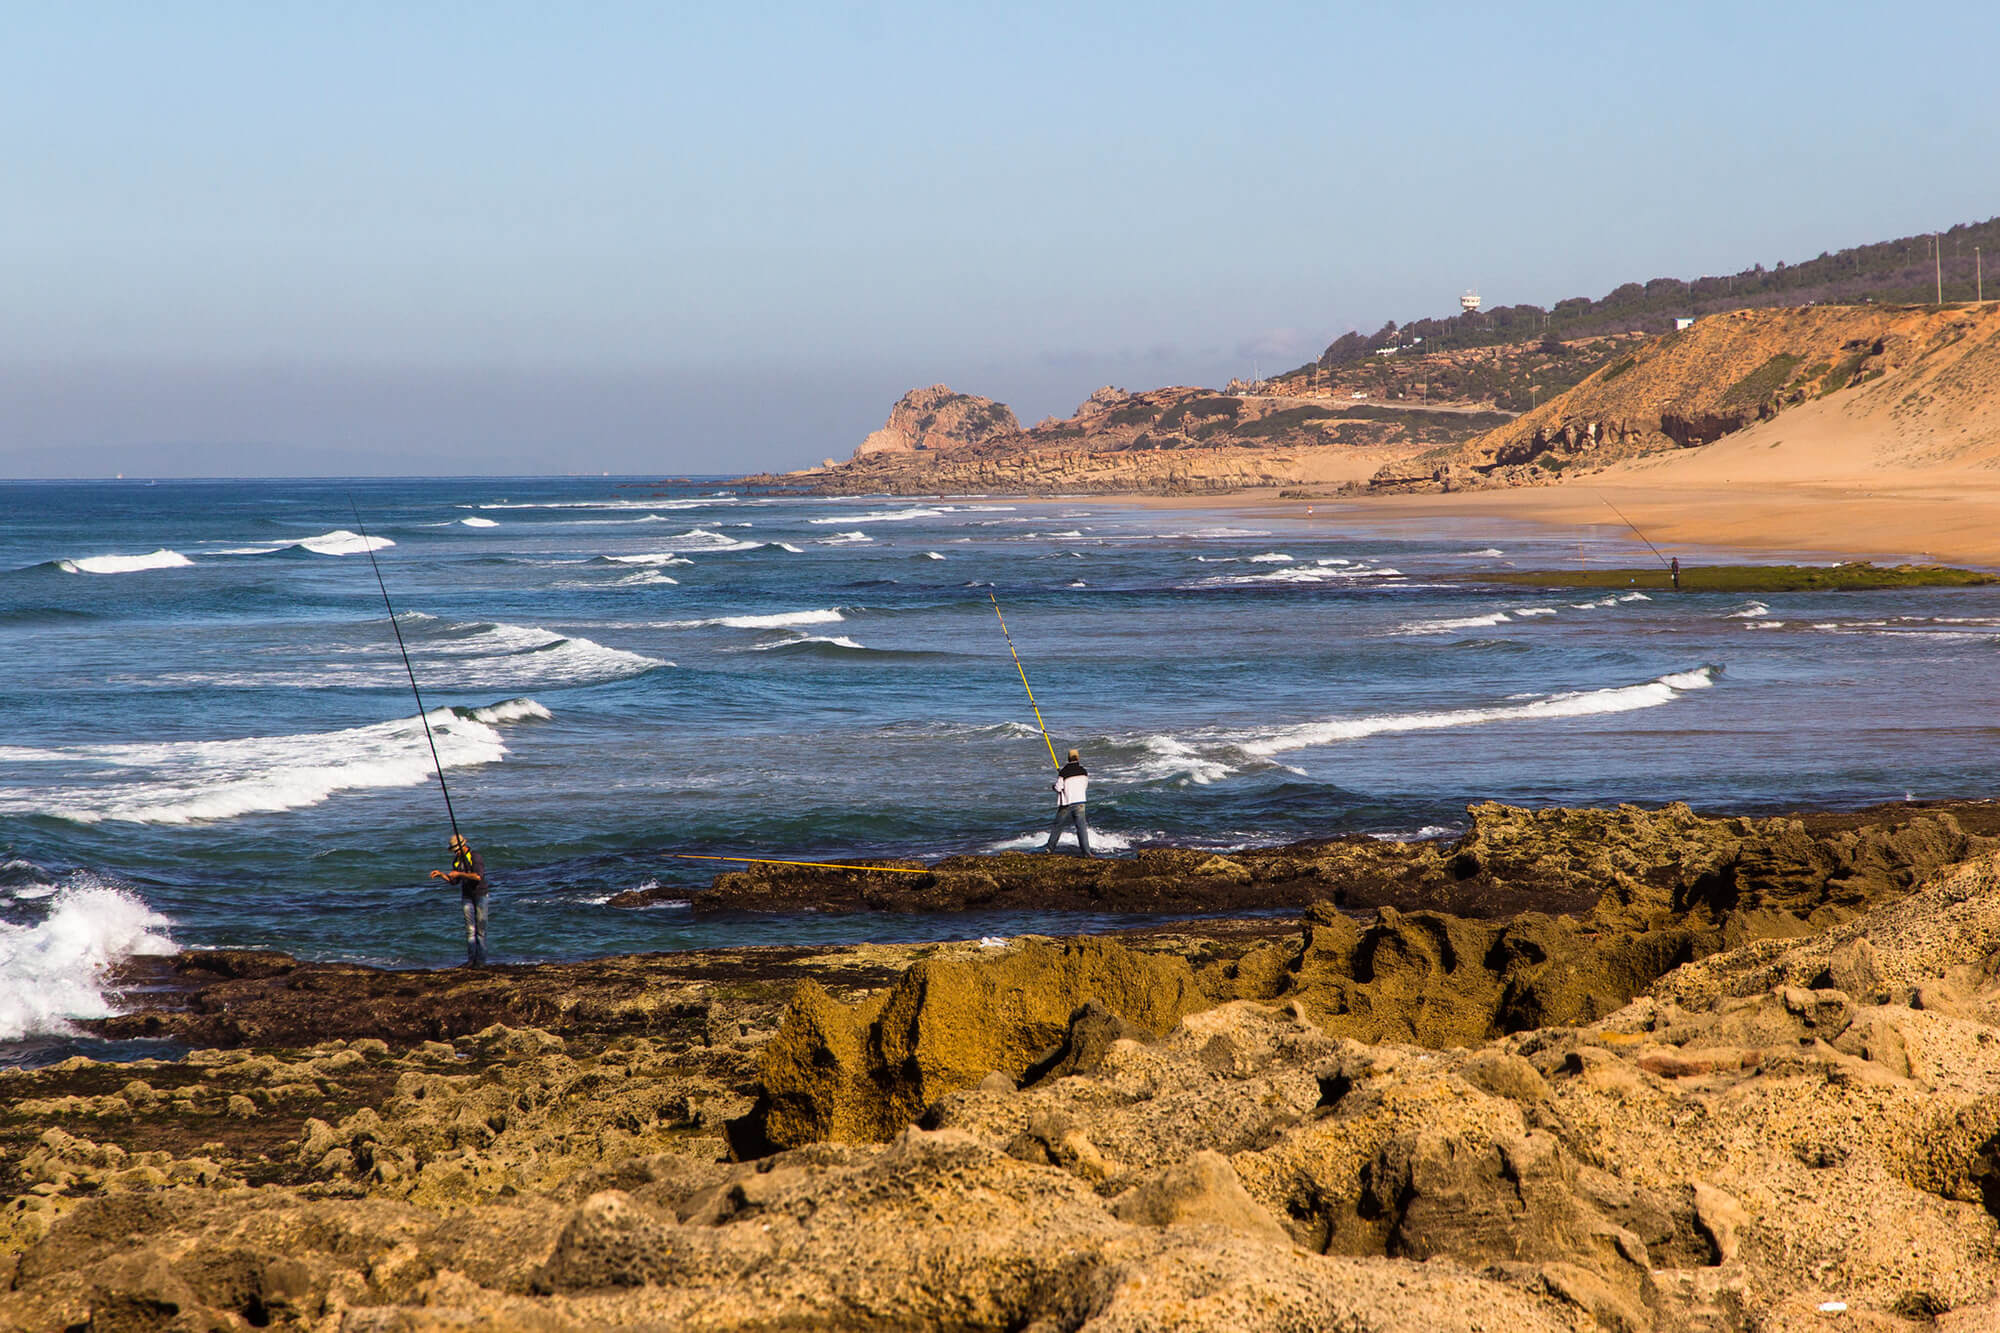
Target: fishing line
point(401, 647)
point(1024, 682)
point(771, 861)
point(1635, 528)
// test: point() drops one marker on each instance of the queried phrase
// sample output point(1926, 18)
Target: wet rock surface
point(1359, 1125)
point(1510, 860)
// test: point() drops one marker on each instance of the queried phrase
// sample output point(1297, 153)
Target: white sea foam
point(53, 972)
point(124, 564)
point(1424, 834)
point(1101, 840)
point(1271, 558)
point(1453, 625)
point(845, 538)
point(342, 542)
point(780, 620)
point(1578, 703)
point(184, 782)
point(836, 641)
point(644, 578)
point(883, 516)
point(1534, 611)
point(1167, 757)
point(1490, 553)
point(650, 558)
point(933, 555)
point(1749, 612)
point(476, 522)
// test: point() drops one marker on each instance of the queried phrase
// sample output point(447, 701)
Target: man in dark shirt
point(468, 872)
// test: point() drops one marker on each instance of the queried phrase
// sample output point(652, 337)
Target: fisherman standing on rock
point(1072, 781)
point(468, 872)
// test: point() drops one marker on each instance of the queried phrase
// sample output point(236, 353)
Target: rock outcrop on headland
point(1174, 440)
point(936, 418)
point(1805, 1117)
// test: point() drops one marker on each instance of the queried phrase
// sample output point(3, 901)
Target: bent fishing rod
point(369, 546)
point(1024, 681)
point(1635, 529)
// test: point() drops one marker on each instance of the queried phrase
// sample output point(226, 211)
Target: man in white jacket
point(1071, 783)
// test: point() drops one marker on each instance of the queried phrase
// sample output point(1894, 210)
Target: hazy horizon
point(519, 240)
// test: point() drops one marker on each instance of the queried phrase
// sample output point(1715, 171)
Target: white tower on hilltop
point(1469, 302)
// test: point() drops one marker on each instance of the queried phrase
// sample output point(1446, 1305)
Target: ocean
point(210, 741)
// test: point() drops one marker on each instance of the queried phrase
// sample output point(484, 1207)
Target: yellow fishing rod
point(772, 861)
point(1024, 682)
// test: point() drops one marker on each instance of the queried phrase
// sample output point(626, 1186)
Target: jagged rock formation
point(1176, 440)
point(937, 419)
point(1919, 381)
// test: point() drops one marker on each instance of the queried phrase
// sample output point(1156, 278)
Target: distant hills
point(1898, 272)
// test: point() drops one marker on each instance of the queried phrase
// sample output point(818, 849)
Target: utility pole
point(1978, 277)
point(1937, 257)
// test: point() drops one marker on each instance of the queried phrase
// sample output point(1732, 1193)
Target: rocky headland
point(1170, 441)
point(1621, 1069)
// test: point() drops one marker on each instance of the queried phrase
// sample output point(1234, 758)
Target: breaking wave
point(779, 620)
point(187, 782)
point(54, 971)
point(124, 564)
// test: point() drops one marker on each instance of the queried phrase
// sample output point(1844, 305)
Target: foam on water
point(185, 782)
point(1750, 612)
point(650, 558)
point(342, 542)
point(780, 620)
point(1271, 558)
point(53, 972)
point(1578, 703)
point(477, 522)
point(804, 640)
point(906, 515)
point(1101, 840)
point(845, 539)
point(1452, 625)
point(124, 564)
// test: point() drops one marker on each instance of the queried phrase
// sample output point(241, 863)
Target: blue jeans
point(1071, 815)
point(475, 927)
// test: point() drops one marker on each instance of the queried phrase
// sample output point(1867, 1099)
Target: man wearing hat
point(1071, 783)
point(468, 872)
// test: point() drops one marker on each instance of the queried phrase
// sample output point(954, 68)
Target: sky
point(324, 239)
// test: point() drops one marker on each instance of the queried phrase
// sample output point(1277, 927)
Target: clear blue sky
point(288, 237)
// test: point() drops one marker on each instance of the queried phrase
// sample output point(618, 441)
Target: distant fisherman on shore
point(1072, 781)
point(468, 872)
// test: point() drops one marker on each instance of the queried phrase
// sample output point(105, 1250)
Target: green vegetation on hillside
point(1898, 272)
point(1753, 578)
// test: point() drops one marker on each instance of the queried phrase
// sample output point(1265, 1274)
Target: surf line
point(825, 865)
point(401, 647)
point(1024, 682)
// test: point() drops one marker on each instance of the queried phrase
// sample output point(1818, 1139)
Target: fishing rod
point(369, 546)
point(1024, 682)
point(772, 861)
point(1635, 528)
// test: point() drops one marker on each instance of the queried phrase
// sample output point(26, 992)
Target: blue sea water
point(209, 738)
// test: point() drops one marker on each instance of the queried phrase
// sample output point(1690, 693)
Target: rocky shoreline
point(1579, 1069)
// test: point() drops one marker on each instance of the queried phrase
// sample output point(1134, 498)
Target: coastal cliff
point(1913, 385)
